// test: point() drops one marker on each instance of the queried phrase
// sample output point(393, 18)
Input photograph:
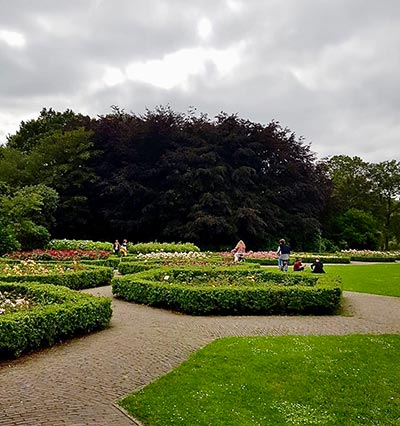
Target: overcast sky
point(329, 70)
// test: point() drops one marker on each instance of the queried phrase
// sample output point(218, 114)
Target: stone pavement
point(78, 382)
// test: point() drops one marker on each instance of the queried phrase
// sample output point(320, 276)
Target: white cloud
point(175, 68)
point(204, 28)
point(12, 38)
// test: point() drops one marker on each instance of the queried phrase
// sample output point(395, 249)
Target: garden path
point(78, 382)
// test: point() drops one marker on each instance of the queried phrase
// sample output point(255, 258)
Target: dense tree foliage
point(185, 177)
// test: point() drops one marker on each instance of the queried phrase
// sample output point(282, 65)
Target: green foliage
point(256, 292)
point(58, 314)
point(88, 277)
point(279, 381)
point(78, 244)
point(162, 247)
point(24, 217)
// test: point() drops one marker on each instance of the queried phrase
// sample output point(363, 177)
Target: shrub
point(78, 245)
point(163, 247)
point(60, 255)
point(88, 277)
point(58, 314)
point(226, 292)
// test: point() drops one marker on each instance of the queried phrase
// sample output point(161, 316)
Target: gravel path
point(78, 382)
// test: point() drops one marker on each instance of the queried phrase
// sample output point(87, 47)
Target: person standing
point(284, 255)
point(124, 247)
point(116, 247)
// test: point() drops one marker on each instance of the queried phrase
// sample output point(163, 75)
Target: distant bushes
point(78, 245)
point(162, 247)
point(57, 314)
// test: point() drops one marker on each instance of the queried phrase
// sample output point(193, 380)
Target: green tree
point(385, 178)
point(23, 217)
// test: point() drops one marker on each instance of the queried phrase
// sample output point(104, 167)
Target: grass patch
point(374, 279)
point(313, 380)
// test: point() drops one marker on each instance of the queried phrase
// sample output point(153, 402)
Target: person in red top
point(298, 266)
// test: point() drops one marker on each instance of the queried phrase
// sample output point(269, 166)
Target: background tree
point(24, 216)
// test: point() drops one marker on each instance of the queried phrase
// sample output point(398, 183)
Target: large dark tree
point(170, 176)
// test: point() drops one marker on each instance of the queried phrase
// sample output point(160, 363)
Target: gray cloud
point(327, 70)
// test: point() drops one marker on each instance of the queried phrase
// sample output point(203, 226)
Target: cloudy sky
point(328, 70)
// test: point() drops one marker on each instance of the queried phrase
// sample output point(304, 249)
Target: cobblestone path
point(78, 382)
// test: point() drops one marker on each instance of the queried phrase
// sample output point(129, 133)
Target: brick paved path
point(77, 383)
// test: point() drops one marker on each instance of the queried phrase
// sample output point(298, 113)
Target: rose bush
point(60, 255)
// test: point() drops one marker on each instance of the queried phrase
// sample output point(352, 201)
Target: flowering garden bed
point(60, 255)
point(72, 275)
point(38, 315)
point(227, 291)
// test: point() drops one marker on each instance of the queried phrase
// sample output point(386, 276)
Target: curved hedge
point(59, 314)
point(249, 292)
point(88, 277)
point(132, 267)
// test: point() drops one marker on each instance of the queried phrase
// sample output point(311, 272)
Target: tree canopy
point(165, 175)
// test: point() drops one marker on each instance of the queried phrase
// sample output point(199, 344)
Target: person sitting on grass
point(317, 267)
point(298, 266)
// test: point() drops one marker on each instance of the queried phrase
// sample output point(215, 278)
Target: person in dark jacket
point(284, 254)
point(317, 267)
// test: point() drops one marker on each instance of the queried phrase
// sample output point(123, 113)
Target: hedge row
point(269, 298)
point(137, 266)
point(78, 244)
point(305, 259)
point(87, 278)
point(373, 259)
point(162, 247)
point(60, 314)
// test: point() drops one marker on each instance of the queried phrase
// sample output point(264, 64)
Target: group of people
point(283, 253)
point(120, 248)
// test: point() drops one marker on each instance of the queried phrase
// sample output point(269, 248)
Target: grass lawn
point(381, 279)
point(307, 380)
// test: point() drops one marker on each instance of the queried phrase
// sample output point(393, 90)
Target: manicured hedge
point(78, 244)
point(272, 293)
point(137, 266)
point(86, 278)
point(304, 258)
point(373, 258)
point(166, 247)
point(60, 314)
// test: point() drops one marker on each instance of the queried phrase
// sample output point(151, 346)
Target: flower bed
point(60, 255)
point(74, 276)
point(11, 302)
point(224, 291)
point(54, 314)
point(371, 256)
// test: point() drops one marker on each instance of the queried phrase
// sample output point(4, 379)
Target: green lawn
point(313, 380)
point(376, 279)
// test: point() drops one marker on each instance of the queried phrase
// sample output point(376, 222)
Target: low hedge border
point(373, 258)
point(305, 259)
point(324, 297)
point(126, 268)
point(61, 314)
point(91, 276)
